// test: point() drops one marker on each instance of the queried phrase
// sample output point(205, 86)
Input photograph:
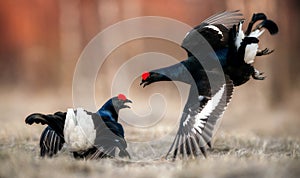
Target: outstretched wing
point(214, 30)
point(198, 122)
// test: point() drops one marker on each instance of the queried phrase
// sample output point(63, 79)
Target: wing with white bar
point(198, 122)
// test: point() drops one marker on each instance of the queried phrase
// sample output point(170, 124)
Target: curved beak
point(144, 83)
point(126, 101)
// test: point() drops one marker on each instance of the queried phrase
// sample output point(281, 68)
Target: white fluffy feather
point(250, 53)
point(251, 50)
point(79, 130)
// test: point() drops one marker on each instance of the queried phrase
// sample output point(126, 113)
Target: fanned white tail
point(79, 130)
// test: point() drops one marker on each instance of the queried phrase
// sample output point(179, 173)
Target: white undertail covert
point(79, 130)
point(251, 49)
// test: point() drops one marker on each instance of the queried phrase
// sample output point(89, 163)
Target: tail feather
point(50, 142)
point(36, 118)
point(269, 25)
point(255, 18)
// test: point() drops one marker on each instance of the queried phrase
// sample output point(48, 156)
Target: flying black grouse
point(88, 135)
point(220, 55)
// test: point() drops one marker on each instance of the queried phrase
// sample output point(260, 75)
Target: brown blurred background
point(41, 42)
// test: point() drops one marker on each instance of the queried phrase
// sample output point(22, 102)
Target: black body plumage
point(109, 133)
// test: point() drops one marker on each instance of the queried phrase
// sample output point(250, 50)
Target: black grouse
point(220, 55)
point(88, 135)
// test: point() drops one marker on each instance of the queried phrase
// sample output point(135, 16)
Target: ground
point(232, 156)
point(238, 151)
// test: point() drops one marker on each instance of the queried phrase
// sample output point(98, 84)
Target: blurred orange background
point(41, 42)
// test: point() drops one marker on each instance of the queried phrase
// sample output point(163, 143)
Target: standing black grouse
point(88, 135)
point(220, 55)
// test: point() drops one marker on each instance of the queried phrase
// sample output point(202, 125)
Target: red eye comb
point(122, 97)
point(145, 75)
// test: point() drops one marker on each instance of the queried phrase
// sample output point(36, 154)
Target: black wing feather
point(227, 18)
point(193, 38)
point(52, 138)
point(56, 121)
point(197, 128)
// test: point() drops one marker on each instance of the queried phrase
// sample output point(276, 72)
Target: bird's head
point(151, 77)
point(120, 101)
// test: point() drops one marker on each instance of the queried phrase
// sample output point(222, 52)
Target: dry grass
point(232, 156)
point(240, 150)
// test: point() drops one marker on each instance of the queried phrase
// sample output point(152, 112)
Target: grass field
point(232, 156)
point(272, 149)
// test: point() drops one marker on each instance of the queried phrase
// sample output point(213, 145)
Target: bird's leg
point(258, 75)
point(263, 52)
point(255, 18)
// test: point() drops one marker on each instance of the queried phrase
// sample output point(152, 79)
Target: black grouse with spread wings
point(220, 55)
